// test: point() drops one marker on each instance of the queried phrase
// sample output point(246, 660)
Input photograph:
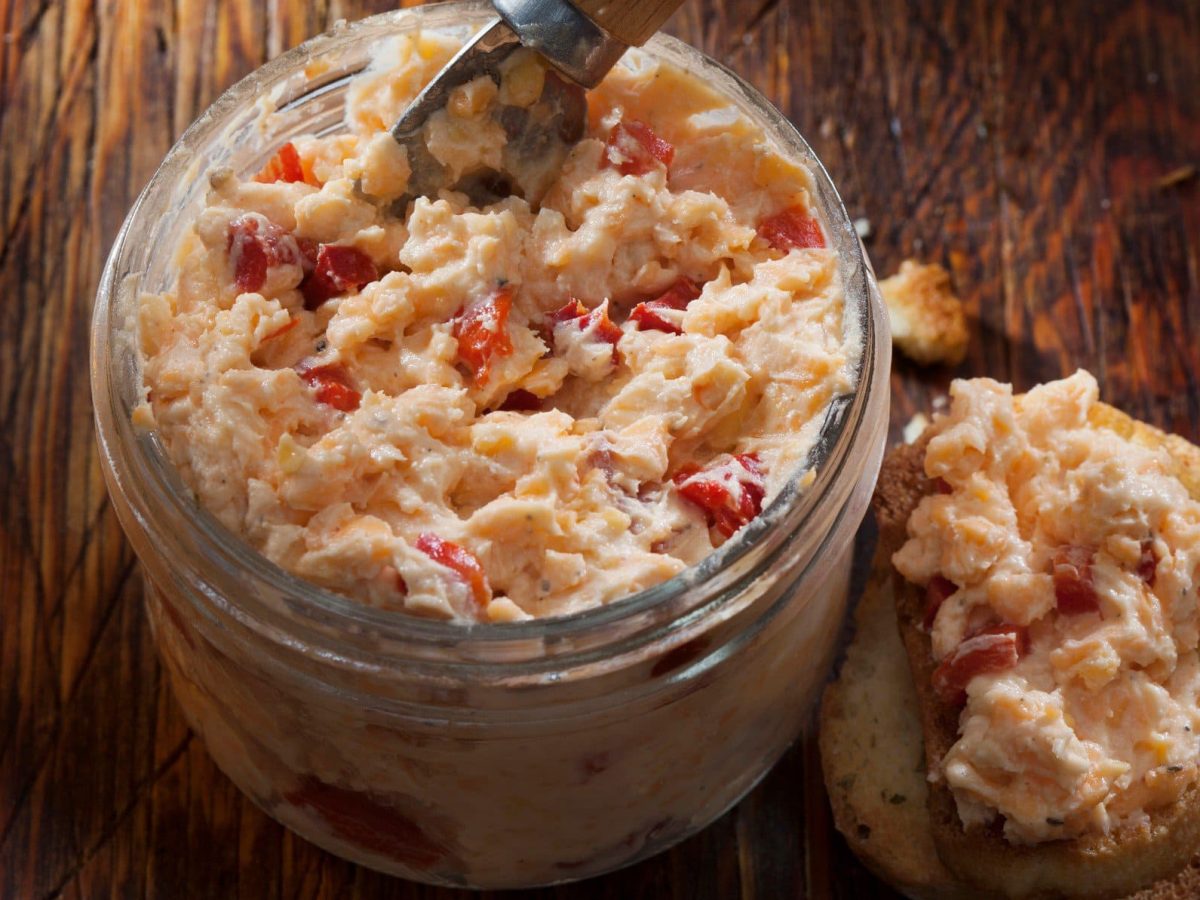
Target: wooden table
point(1043, 152)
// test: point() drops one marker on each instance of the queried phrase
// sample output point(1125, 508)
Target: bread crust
point(872, 757)
point(1094, 866)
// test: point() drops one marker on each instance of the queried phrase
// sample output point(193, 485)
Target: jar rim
point(137, 459)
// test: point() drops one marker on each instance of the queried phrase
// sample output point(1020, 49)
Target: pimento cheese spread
point(512, 411)
point(1060, 562)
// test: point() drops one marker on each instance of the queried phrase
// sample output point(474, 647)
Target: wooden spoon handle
point(629, 21)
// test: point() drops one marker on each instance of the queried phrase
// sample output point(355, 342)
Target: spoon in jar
point(541, 55)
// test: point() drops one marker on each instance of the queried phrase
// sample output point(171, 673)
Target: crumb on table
point(927, 318)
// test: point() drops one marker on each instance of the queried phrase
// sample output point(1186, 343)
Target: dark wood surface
point(1041, 151)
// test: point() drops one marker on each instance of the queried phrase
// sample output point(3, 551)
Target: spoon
point(574, 44)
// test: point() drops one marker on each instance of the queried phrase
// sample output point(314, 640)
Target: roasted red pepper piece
point(285, 165)
point(572, 309)
point(634, 149)
point(605, 328)
point(256, 244)
point(680, 294)
point(338, 270)
point(936, 593)
point(1020, 632)
point(649, 314)
point(461, 560)
point(482, 332)
point(793, 227)
point(331, 384)
point(368, 821)
point(993, 649)
point(730, 492)
point(1074, 592)
point(309, 250)
point(521, 400)
point(1147, 567)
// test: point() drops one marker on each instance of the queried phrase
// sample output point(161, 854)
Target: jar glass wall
point(494, 755)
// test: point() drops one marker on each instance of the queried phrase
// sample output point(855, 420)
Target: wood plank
point(1022, 145)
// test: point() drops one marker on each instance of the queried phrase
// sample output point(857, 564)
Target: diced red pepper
point(994, 649)
point(793, 227)
point(461, 560)
point(256, 244)
point(521, 400)
point(604, 328)
point(247, 253)
point(1147, 567)
point(649, 314)
point(285, 165)
point(368, 821)
point(1019, 632)
point(309, 250)
point(1074, 592)
point(687, 470)
point(482, 332)
point(937, 592)
point(338, 270)
point(680, 294)
point(730, 492)
point(634, 149)
point(331, 384)
point(572, 309)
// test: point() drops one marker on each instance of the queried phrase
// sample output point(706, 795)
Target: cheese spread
point(514, 411)
point(1060, 560)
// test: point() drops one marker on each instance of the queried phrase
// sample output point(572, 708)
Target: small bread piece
point(1109, 865)
point(872, 757)
point(871, 753)
point(927, 318)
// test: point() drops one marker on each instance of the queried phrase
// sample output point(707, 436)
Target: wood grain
point(1025, 146)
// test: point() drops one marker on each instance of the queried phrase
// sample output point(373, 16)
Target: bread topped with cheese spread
point(1046, 550)
point(873, 760)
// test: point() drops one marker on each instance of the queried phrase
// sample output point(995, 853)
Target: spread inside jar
point(1059, 560)
point(514, 411)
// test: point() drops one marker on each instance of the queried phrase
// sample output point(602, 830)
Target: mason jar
point(490, 756)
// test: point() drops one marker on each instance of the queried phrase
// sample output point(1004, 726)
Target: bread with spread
point(873, 761)
point(872, 752)
point(1046, 549)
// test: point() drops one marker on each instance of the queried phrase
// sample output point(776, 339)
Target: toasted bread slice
point(874, 765)
point(1109, 865)
point(872, 757)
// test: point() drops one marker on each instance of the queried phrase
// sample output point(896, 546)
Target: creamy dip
point(512, 411)
point(1061, 563)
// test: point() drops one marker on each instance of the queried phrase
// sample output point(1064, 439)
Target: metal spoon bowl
point(541, 134)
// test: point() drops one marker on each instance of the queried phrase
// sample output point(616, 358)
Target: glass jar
point(492, 755)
